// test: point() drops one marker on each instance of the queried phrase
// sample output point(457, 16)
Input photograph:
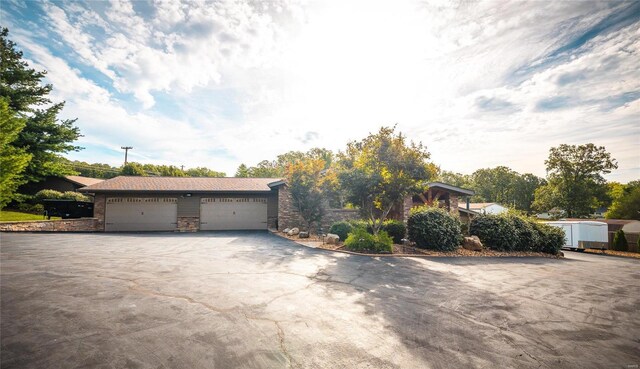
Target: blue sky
point(221, 83)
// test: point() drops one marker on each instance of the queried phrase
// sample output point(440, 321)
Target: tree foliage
point(305, 182)
point(277, 168)
point(43, 136)
point(379, 171)
point(13, 160)
point(626, 205)
point(575, 181)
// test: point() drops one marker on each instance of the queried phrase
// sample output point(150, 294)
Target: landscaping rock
point(286, 230)
point(293, 232)
point(472, 243)
point(332, 239)
point(303, 234)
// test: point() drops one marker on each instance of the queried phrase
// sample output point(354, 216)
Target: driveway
point(254, 300)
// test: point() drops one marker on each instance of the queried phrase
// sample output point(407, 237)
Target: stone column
point(99, 205)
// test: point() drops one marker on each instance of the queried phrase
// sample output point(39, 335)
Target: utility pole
point(182, 168)
point(126, 151)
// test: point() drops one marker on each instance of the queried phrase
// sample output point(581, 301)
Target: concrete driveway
point(254, 300)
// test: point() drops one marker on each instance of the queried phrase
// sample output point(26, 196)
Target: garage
point(141, 214)
point(185, 204)
point(233, 213)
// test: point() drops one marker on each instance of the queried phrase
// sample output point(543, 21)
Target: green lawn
point(9, 216)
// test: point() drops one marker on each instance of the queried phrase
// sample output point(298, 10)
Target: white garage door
point(141, 214)
point(231, 213)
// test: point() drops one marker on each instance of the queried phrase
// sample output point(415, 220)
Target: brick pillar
point(99, 205)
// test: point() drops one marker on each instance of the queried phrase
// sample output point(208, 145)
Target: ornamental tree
point(305, 179)
point(379, 171)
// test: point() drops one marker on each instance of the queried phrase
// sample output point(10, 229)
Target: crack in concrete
point(135, 286)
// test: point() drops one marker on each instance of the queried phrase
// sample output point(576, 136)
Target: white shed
point(583, 234)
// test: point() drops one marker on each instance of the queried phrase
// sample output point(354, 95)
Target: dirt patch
point(401, 250)
point(625, 254)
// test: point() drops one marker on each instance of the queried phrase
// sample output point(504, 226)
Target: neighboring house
point(600, 212)
point(487, 208)
point(62, 184)
point(554, 213)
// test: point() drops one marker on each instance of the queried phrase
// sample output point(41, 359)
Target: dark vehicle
point(67, 209)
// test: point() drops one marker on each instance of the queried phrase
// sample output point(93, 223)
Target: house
point(186, 204)
point(61, 184)
point(487, 208)
point(192, 204)
point(554, 213)
point(444, 195)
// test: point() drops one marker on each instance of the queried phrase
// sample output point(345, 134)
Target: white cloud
point(477, 82)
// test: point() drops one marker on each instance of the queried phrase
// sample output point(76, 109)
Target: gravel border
point(408, 251)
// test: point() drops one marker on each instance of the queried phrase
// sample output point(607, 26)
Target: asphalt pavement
point(255, 300)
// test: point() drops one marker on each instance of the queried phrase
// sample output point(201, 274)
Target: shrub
point(433, 228)
point(57, 195)
point(361, 224)
point(620, 241)
point(75, 196)
point(342, 229)
point(550, 239)
point(396, 229)
point(362, 241)
point(48, 194)
point(496, 232)
point(30, 208)
point(526, 236)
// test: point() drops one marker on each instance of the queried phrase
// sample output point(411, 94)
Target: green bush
point(57, 195)
point(396, 229)
point(550, 239)
point(434, 228)
point(495, 231)
point(31, 208)
point(342, 229)
point(361, 224)
point(512, 232)
point(48, 195)
point(360, 240)
point(527, 238)
point(75, 196)
point(620, 241)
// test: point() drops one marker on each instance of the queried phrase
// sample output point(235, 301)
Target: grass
point(13, 216)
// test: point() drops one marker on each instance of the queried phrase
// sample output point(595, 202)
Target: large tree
point(524, 191)
point(381, 170)
point(43, 136)
point(575, 179)
point(494, 185)
point(12, 160)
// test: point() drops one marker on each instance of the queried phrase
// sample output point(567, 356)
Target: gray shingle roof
point(83, 181)
point(181, 184)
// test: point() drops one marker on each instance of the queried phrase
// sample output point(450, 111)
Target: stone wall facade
point(99, 206)
point(62, 225)
point(289, 217)
point(188, 224)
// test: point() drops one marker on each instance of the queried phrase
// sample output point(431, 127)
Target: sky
point(220, 83)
